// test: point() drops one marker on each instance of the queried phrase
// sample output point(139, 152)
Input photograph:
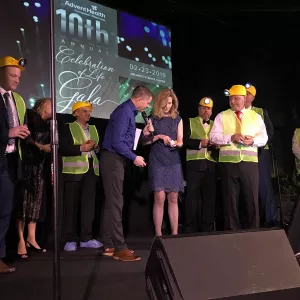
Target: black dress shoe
point(5, 268)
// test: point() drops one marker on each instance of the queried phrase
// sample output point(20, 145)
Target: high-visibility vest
point(260, 111)
point(297, 161)
point(198, 132)
point(235, 153)
point(80, 164)
point(21, 110)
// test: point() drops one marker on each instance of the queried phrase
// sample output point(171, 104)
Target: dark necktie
point(207, 122)
point(239, 115)
point(10, 115)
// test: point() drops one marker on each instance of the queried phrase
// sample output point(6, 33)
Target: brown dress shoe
point(110, 251)
point(5, 268)
point(125, 255)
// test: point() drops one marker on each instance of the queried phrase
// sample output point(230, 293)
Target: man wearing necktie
point(201, 154)
point(12, 129)
point(265, 192)
point(239, 132)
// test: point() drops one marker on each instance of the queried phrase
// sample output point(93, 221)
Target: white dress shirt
point(296, 147)
point(88, 136)
point(11, 148)
point(217, 136)
point(206, 128)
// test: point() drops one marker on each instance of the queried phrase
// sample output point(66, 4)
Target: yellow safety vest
point(235, 153)
point(297, 161)
point(260, 111)
point(198, 132)
point(21, 110)
point(80, 164)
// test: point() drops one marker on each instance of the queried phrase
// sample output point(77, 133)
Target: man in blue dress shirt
point(117, 149)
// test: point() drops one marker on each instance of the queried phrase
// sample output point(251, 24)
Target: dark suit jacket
point(269, 125)
point(4, 129)
point(269, 128)
point(67, 148)
point(193, 144)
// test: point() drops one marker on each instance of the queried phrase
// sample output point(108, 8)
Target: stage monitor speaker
point(250, 265)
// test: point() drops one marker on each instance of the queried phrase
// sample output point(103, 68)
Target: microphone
point(146, 119)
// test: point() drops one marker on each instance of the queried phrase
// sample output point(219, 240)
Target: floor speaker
point(251, 265)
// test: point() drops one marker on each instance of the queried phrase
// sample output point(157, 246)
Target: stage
point(85, 275)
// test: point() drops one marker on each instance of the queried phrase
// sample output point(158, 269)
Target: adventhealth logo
point(92, 10)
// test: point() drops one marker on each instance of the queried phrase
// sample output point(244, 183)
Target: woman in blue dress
point(165, 171)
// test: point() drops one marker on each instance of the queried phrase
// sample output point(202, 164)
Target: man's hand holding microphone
point(147, 131)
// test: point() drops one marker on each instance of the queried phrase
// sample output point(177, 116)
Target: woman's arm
point(147, 140)
point(180, 134)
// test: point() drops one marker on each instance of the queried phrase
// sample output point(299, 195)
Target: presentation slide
point(102, 54)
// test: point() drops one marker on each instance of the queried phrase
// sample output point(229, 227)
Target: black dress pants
point(240, 186)
point(199, 207)
point(8, 174)
point(79, 206)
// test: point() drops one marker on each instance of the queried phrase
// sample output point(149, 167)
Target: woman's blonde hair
point(39, 105)
point(162, 100)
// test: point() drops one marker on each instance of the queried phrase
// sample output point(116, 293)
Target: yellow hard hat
point(236, 90)
point(206, 101)
point(8, 61)
point(251, 89)
point(81, 104)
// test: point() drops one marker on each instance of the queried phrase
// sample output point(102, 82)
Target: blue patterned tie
point(10, 115)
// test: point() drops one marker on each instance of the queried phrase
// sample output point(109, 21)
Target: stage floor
point(85, 275)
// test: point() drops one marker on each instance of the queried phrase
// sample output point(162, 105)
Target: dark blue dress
point(165, 171)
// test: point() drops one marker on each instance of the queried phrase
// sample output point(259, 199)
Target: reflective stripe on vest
point(80, 164)
point(260, 111)
point(21, 109)
point(198, 132)
point(297, 161)
point(236, 153)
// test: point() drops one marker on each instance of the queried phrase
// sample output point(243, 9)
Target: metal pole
point(54, 164)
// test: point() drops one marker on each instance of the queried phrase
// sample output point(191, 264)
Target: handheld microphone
point(146, 119)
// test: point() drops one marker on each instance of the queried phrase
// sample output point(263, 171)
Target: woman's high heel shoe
point(23, 256)
point(31, 247)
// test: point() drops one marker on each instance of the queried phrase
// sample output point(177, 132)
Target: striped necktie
point(10, 115)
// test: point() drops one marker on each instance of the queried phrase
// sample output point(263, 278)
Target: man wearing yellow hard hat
point(268, 210)
point(201, 156)
point(12, 129)
point(240, 132)
point(79, 146)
